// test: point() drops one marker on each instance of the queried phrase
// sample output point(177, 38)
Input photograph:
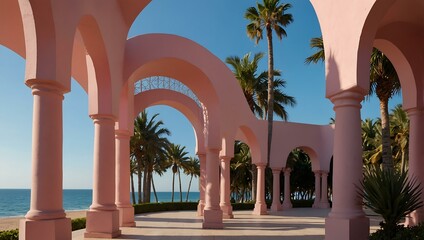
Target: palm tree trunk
point(385, 135)
point(146, 183)
point(270, 112)
point(173, 187)
point(181, 192)
point(132, 188)
point(154, 190)
point(188, 190)
point(140, 175)
point(403, 161)
point(254, 181)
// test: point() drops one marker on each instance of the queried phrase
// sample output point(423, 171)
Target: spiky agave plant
point(390, 194)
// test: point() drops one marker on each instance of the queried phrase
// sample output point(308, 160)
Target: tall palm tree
point(371, 141)
point(255, 86)
point(148, 147)
point(177, 159)
point(399, 123)
point(193, 169)
point(384, 82)
point(133, 170)
point(270, 16)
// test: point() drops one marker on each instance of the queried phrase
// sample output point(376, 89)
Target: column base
point(126, 216)
point(102, 224)
point(212, 219)
point(200, 208)
point(316, 204)
point(260, 209)
point(287, 205)
point(227, 211)
point(324, 205)
point(276, 207)
point(347, 229)
point(45, 229)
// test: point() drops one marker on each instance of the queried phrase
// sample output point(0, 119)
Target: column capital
point(103, 118)
point(260, 165)
point(124, 134)
point(348, 98)
point(225, 158)
point(276, 170)
point(324, 173)
point(287, 170)
point(414, 111)
point(212, 149)
point(45, 87)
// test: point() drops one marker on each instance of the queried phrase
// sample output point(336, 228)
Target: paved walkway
point(293, 224)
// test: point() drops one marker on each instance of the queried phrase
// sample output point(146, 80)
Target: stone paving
point(293, 224)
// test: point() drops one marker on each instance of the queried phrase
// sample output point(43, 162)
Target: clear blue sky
point(219, 26)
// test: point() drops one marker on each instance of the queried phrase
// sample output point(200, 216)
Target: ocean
point(15, 202)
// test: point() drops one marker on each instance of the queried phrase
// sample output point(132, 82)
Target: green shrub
point(302, 203)
point(243, 206)
point(402, 233)
point(390, 194)
point(78, 223)
point(9, 235)
point(167, 206)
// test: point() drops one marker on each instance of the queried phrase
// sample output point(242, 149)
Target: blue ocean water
point(15, 202)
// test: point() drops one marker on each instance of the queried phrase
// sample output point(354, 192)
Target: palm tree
point(245, 71)
point(133, 170)
point(193, 169)
point(371, 141)
point(177, 157)
point(270, 16)
point(148, 147)
point(399, 123)
point(241, 171)
point(385, 83)
point(318, 56)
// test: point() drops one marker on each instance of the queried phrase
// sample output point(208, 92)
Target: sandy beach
point(9, 223)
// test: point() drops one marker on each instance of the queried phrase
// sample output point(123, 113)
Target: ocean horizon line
point(91, 190)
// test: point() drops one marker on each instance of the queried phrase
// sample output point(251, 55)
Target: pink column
point(103, 216)
point(287, 198)
point(317, 189)
point(416, 153)
point(260, 205)
point(225, 204)
point(122, 196)
point(212, 214)
point(46, 219)
point(202, 185)
point(347, 220)
point(276, 204)
point(324, 191)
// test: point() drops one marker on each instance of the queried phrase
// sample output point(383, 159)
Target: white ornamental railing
point(160, 82)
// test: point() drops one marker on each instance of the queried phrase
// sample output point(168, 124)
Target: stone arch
point(315, 140)
point(257, 150)
point(197, 68)
point(176, 100)
point(11, 32)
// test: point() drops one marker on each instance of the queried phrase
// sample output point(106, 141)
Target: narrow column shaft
point(202, 183)
point(212, 214)
point(347, 219)
point(260, 205)
point(317, 189)
point(416, 153)
point(104, 163)
point(276, 204)
point(324, 190)
point(287, 198)
point(122, 196)
point(47, 176)
point(225, 203)
point(103, 216)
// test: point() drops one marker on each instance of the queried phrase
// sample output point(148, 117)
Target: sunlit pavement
point(293, 224)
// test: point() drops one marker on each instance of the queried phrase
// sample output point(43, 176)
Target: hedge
point(166, 206)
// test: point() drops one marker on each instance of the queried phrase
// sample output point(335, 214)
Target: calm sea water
point(15, 202)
